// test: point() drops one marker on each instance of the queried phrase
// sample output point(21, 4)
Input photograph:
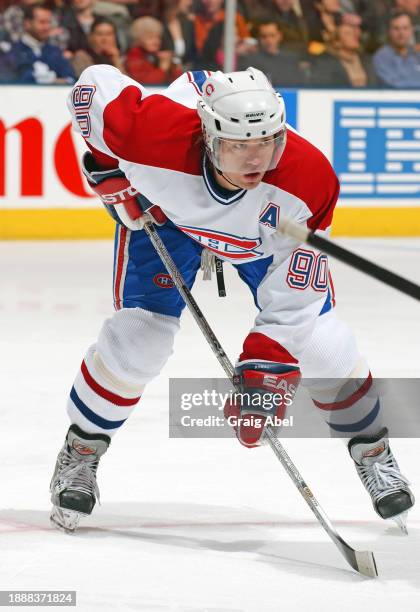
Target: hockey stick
point(302, 234)
point(361, 561)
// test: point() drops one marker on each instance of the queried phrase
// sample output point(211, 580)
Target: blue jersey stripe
point(360, 425)
point(92, 416)
point(199, 77)
point(327, 304)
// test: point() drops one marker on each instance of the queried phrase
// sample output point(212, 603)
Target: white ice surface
point(190, 525)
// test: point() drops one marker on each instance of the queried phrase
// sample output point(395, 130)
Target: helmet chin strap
point(220, 173)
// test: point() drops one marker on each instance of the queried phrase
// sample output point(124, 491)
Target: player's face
point(246, 162)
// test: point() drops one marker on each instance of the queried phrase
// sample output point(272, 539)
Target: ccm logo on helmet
point(119, 196)
point(209, 89)
point(164, 281)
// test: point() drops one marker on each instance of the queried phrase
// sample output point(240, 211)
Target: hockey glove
point(123, 202)
point(266, 389)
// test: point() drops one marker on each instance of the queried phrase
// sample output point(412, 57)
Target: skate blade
point(64, 519)
point(401, 521)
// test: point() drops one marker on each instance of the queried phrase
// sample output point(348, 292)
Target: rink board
point(371, 137)
point(94, 223)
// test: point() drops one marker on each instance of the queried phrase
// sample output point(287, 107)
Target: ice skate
point(74, 489)
point(381, 477)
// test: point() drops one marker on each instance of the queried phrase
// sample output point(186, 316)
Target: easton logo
point(118, 196)
point(164, 281)
point(230, 246)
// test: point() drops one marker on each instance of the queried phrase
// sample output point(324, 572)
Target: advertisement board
point(371, 137)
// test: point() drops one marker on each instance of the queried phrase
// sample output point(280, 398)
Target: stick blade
point(365, 563)
point(362, 561)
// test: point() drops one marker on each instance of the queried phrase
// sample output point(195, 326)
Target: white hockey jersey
point(156, 138)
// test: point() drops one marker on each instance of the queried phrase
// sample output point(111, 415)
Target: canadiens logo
point(230, 246)
point(164, 281)
point(209, 89)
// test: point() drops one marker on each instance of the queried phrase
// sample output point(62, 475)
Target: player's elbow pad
point(122, 201)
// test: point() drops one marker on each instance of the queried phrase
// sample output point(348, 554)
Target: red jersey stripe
point(108, 395)
point(351, 400)
point(332, 289)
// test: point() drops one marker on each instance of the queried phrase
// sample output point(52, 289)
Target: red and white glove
point(266, 390)
point(123, 202)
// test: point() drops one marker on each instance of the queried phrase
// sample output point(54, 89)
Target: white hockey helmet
point(241, 106)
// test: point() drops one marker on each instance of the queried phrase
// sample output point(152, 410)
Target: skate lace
point(78, 475)
point(382, 478)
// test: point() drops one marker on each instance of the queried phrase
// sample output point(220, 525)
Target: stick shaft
point(347, 551)
point(364, 265)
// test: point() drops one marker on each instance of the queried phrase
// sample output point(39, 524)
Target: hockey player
point(212, 161)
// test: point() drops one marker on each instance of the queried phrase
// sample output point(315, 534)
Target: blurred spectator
point(103, 47)
point(412, 7)
point(79, 16)
point(33, 59)
point(78, 19)
point(213, 54)
point(281, 66)
point(12, 24)
point(374, 14)
point(210, 14)
point(209, 35)
point(342, 64)
point(321, 17)
point(179, 31)
point(147, 8)
point(294, 28)
point(126, 3)
point(146, 62)
point(6, 74)
point(119, 14)
point(254, 10)
point(397, 64)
